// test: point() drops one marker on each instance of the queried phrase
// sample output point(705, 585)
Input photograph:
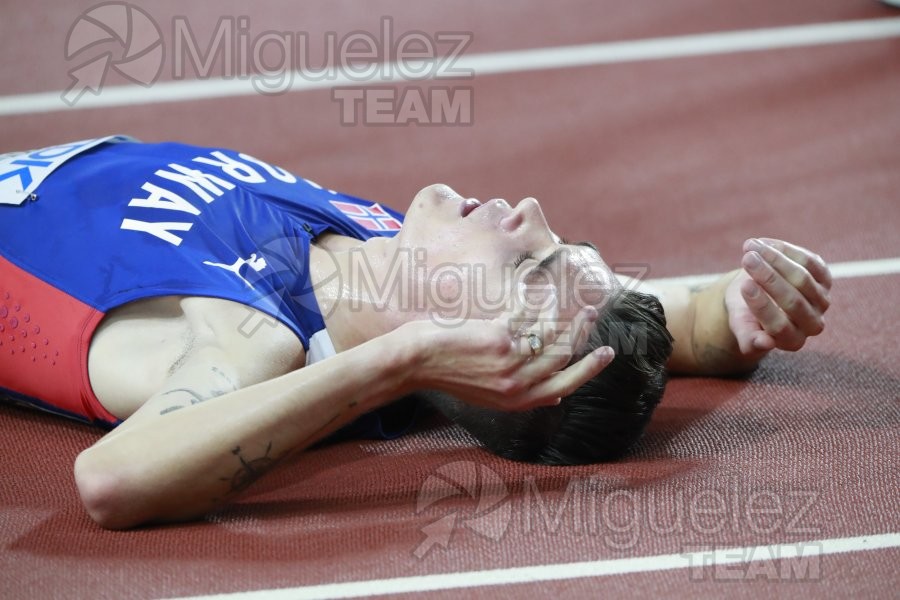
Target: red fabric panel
point(44, 340)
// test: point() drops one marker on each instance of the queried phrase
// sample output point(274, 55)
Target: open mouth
point(468, 206)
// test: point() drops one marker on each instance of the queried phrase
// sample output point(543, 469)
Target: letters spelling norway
point(202, 185)
point(22, 172)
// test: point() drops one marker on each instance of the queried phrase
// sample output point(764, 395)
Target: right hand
point(488, 362)
point(779, 299)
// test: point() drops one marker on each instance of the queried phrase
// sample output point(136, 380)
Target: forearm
point(180, 465)
point(776, 300)
point(712, 348)
point(698, 321)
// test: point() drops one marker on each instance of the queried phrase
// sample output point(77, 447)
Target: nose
point(534, 216)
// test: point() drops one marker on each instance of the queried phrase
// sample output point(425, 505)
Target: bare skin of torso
point(138, 346)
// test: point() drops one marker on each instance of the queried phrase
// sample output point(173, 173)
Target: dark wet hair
point(606, 415)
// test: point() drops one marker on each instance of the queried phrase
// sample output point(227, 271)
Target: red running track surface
point(672, 163)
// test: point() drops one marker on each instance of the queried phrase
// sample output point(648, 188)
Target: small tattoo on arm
point(195, 397)
point(315, 434)
point(697, 288)
point(250, 470)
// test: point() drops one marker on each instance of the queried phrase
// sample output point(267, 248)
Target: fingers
point(795, 275)
point(813, 263)
point(535, 307)
point(783, 295)
point(789, 285)
point(563, 383)
point(775, 329)
point(489, 363)
point(540, 376)
point(749, 334)
point(566, 337)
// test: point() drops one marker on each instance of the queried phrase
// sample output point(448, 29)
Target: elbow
point(104, 493)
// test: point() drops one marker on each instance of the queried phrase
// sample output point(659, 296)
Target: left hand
point(779, 298)
point(487, 362)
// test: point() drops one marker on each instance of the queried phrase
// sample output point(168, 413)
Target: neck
point(352, 316)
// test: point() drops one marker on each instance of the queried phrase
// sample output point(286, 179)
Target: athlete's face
point(474, 257)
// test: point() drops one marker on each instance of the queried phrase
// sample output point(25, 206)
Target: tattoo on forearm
point(225, 385)
point(250, 470)
point(314, 436)
point(196, 398)
point(698, 287)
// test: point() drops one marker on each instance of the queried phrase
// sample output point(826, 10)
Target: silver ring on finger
point(535, 344)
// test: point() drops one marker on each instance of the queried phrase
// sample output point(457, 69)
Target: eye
point(522, 258)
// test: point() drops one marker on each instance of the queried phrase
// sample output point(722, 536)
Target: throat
point(336, 264)
point(335, 242)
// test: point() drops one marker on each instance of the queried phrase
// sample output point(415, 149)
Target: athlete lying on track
point(219, 312)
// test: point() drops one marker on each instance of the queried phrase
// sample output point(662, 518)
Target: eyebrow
point(553, 256)
point(588, 245)
point(550, 259)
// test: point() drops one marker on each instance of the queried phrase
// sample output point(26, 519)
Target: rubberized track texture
point(781, 484)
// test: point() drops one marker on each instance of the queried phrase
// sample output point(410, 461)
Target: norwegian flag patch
point(373, 218)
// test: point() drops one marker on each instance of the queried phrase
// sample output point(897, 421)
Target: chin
point(436, 194)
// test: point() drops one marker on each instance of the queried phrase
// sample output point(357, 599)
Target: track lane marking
point(575, 570)
point(493, 63)
point(841, 270)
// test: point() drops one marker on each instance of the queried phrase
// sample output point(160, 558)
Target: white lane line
point(843, 270)
point(484, 64)
point(800, 553)
point(688, 45)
